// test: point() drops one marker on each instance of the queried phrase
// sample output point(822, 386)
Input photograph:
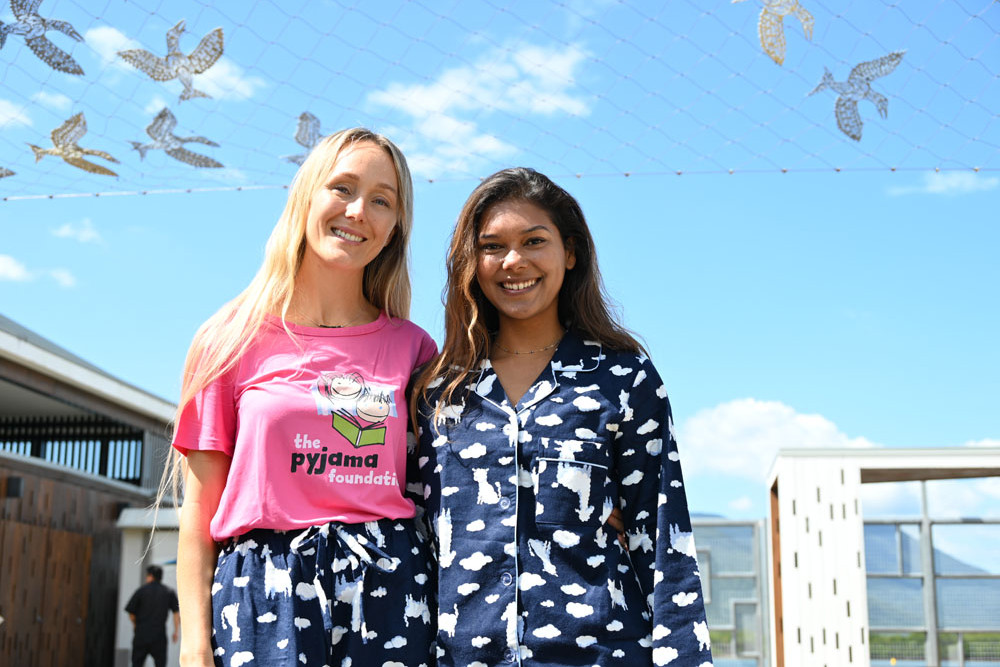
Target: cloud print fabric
point(518, 497)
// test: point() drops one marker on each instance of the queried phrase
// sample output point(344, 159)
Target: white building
point(819, 592)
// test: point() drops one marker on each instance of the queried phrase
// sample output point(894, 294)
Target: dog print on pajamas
point(518, 497)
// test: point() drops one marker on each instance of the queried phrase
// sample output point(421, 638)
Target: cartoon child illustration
point(339, 387)
point(373, 406)
point(359, 411)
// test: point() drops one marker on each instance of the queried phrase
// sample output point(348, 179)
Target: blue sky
point(851, 301)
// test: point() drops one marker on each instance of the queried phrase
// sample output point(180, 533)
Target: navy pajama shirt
point(517, 498)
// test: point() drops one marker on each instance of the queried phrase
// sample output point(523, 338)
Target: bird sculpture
point(859, 87)
point(4, 173)
point(64, 140)
point(307, 135)
point(771, 25)
point(33, 27)
point(161, 130)
point(177, 65)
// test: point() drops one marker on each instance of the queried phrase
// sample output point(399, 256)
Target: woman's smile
point(519, 286)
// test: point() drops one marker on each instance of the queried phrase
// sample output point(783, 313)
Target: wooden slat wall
point(59, 557)
point(67, 584)
point(21, 596)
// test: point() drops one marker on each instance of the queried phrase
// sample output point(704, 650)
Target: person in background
point(148, 609)
point(297, 545)
point(541, 417)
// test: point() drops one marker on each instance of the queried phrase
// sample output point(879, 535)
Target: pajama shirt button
point(504, 503)
point(507, 578)
point(508, 655)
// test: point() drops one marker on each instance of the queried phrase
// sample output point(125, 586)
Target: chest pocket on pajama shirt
point(571, 493)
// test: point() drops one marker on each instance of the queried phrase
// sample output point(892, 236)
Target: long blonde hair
point(225, 336)
point(471, 321)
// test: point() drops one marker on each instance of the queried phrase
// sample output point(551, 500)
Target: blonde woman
point(297, 544)
point(540, 420)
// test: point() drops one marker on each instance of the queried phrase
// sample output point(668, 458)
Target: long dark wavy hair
point(471, 321)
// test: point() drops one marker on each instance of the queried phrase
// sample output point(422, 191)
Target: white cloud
point(741, 437)
point(741, 504)
point(12, 115)
point(946, 498)
point(962, 498)
point(989, 487)
point(13, 270)
point(227, 175)
point(985, 442)
point(83, 231)
point(63, 277)
point(106, 42)
point(155, 105)
point(225, 80)
point(949, 183)
point(532, 80)
point(54, 101)
point(891, 499)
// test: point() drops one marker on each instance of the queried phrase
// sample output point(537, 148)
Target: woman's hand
point(616, 523)
point(197, 659)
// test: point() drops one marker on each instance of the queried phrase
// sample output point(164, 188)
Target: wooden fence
point(59, 558)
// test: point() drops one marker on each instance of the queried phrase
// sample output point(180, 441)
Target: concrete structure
point(141, 547)
point(77, 446)
point(816, 553)
point(54, 405)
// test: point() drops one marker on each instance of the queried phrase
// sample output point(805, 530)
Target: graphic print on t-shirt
point(358, 408)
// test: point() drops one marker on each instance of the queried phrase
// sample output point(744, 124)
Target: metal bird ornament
point(177, 65)
point(161, 130)
point(771, 25)
point(4, 173)
point(307, 135)
point(33, 27)
point(858, 87)
point(64, 140)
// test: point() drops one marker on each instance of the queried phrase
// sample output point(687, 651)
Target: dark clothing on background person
point(149, 606)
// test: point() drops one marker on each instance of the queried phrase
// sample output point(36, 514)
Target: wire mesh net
point(608, 88)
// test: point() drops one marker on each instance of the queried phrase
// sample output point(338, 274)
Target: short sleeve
point(133, 603)
point(414, 486)
point(428, 349)
point(208, 421)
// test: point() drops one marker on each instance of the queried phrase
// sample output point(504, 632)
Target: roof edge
point(52, 361)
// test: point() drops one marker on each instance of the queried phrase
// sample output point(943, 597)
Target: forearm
point(197, 554)
point(196, 557)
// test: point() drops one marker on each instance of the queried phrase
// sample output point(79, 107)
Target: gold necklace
point(541, 349)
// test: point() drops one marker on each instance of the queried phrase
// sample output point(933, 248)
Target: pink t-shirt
point(315, 426)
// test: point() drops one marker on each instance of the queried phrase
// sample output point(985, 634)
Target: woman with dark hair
point(540, 418)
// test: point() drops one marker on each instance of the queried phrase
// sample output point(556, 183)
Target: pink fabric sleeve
point(428, 348)
point(208, 421)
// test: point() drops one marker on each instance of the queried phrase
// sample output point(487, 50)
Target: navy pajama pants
point(333, 595)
